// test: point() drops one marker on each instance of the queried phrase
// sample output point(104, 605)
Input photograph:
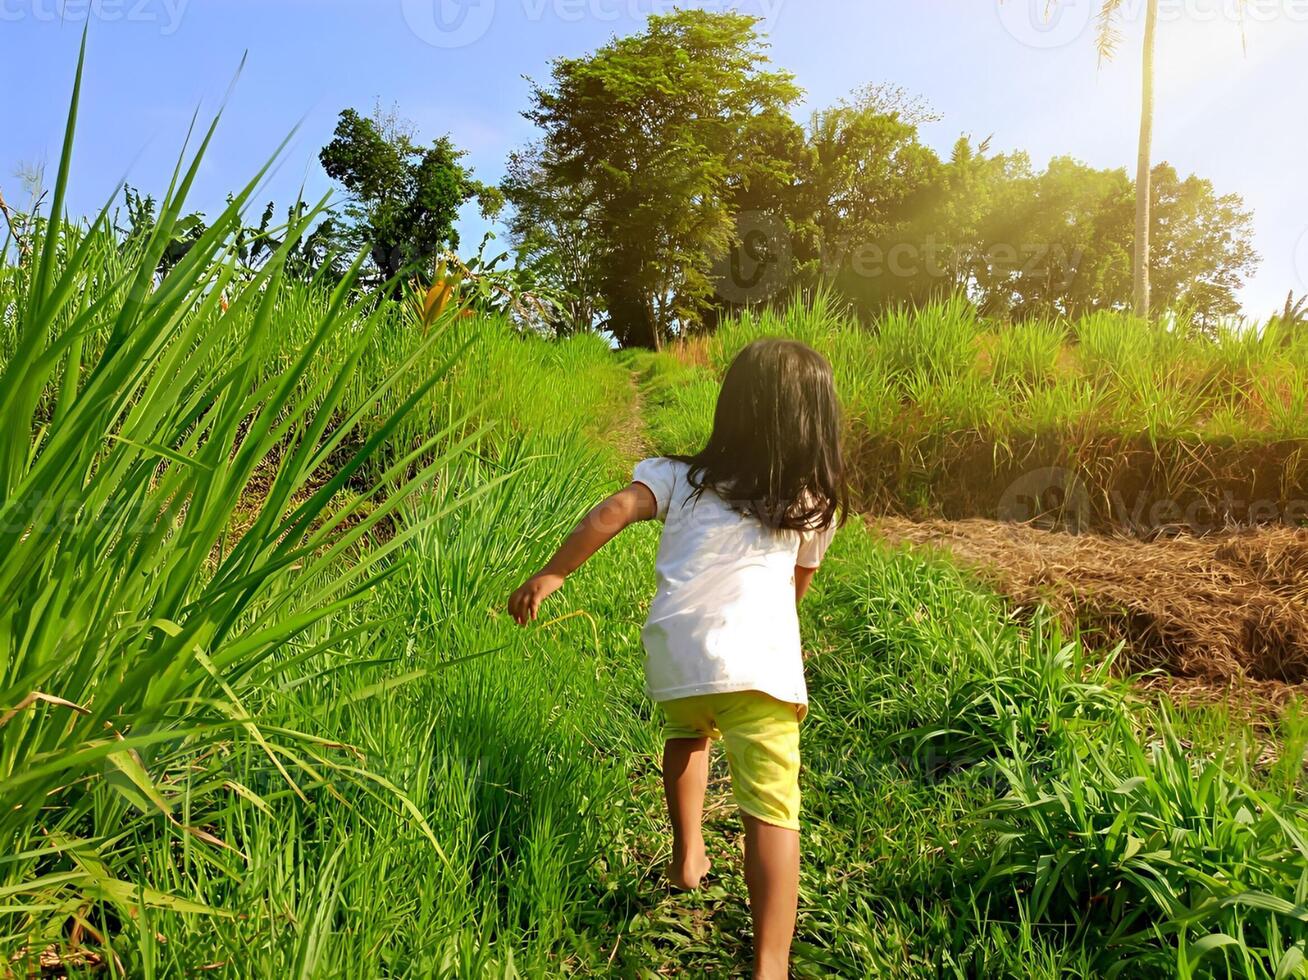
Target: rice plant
point(1060, 821)
point(1170, 859)
point(261, 714)
point(939, 340)
point(942, 407)
point(1027, 353)
point(140, 419)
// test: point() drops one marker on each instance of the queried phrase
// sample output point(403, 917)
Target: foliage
point(404, 197)
point(864, 172)
point(1201, 252)
point(309, 250)
point(1024, 243)
point(651, 130)
point(142, 222)
point(666, 131)
point(555, 232)
point(142, 617)
point(1057, 241)
point(308, 253)
point(481, 286)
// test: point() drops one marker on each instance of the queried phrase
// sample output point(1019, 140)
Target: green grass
point(1135, 368)
point(1031, 791)
point(984, 800)
point(947, 411)
point(502, 754)
point(233, 509)
point(318, 748)
point(138, 625)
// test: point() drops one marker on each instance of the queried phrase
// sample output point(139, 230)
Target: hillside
point(263, 714)
point(1102, 423)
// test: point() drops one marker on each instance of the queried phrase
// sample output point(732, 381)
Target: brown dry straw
point(1219, 609)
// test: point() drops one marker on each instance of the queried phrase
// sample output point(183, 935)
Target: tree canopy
point(654, 132)
point(404, 197)
point(671, 181)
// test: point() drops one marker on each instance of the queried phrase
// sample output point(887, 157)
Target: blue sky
point(989, 68)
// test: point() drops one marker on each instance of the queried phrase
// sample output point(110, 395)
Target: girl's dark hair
point(775, 447)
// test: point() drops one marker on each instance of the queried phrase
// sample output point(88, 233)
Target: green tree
point(867, 173)
point(770, 216)
point(853, 184)
point(1202, 250)
point(1054, 241)
point(1061, 242)
point(554, 229)
point(656, 131)
point(404, 197)
point(975, 215)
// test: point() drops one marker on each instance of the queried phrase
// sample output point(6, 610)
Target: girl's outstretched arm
point(601, 525)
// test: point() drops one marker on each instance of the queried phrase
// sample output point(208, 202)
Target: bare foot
point(687, 873)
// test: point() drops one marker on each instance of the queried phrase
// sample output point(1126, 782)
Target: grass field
point(1147, 426)
point(261, 713)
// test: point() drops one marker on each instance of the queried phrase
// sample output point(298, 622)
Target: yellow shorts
point(761, 737)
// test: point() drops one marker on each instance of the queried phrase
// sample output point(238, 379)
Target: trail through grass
point(262, 714)
point(981, 799)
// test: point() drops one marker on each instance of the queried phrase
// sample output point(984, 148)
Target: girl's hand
point(525, 602)
point(633, 503)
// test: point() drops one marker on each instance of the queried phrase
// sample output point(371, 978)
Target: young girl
point(746, 521)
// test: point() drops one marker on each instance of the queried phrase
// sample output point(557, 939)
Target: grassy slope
point(947, 412)
point(953, 823)
point(514, 757)
point(535, 764)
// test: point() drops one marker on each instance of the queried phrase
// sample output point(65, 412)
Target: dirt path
point(629, 436)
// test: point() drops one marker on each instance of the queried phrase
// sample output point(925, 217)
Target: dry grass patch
point(1221, 609)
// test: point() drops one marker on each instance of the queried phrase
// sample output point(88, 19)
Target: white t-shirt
point(724, 616)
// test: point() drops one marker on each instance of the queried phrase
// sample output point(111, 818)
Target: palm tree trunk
point(1143, 182)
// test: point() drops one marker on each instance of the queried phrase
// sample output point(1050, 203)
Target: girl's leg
point(685, 780)
point(772, 875)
